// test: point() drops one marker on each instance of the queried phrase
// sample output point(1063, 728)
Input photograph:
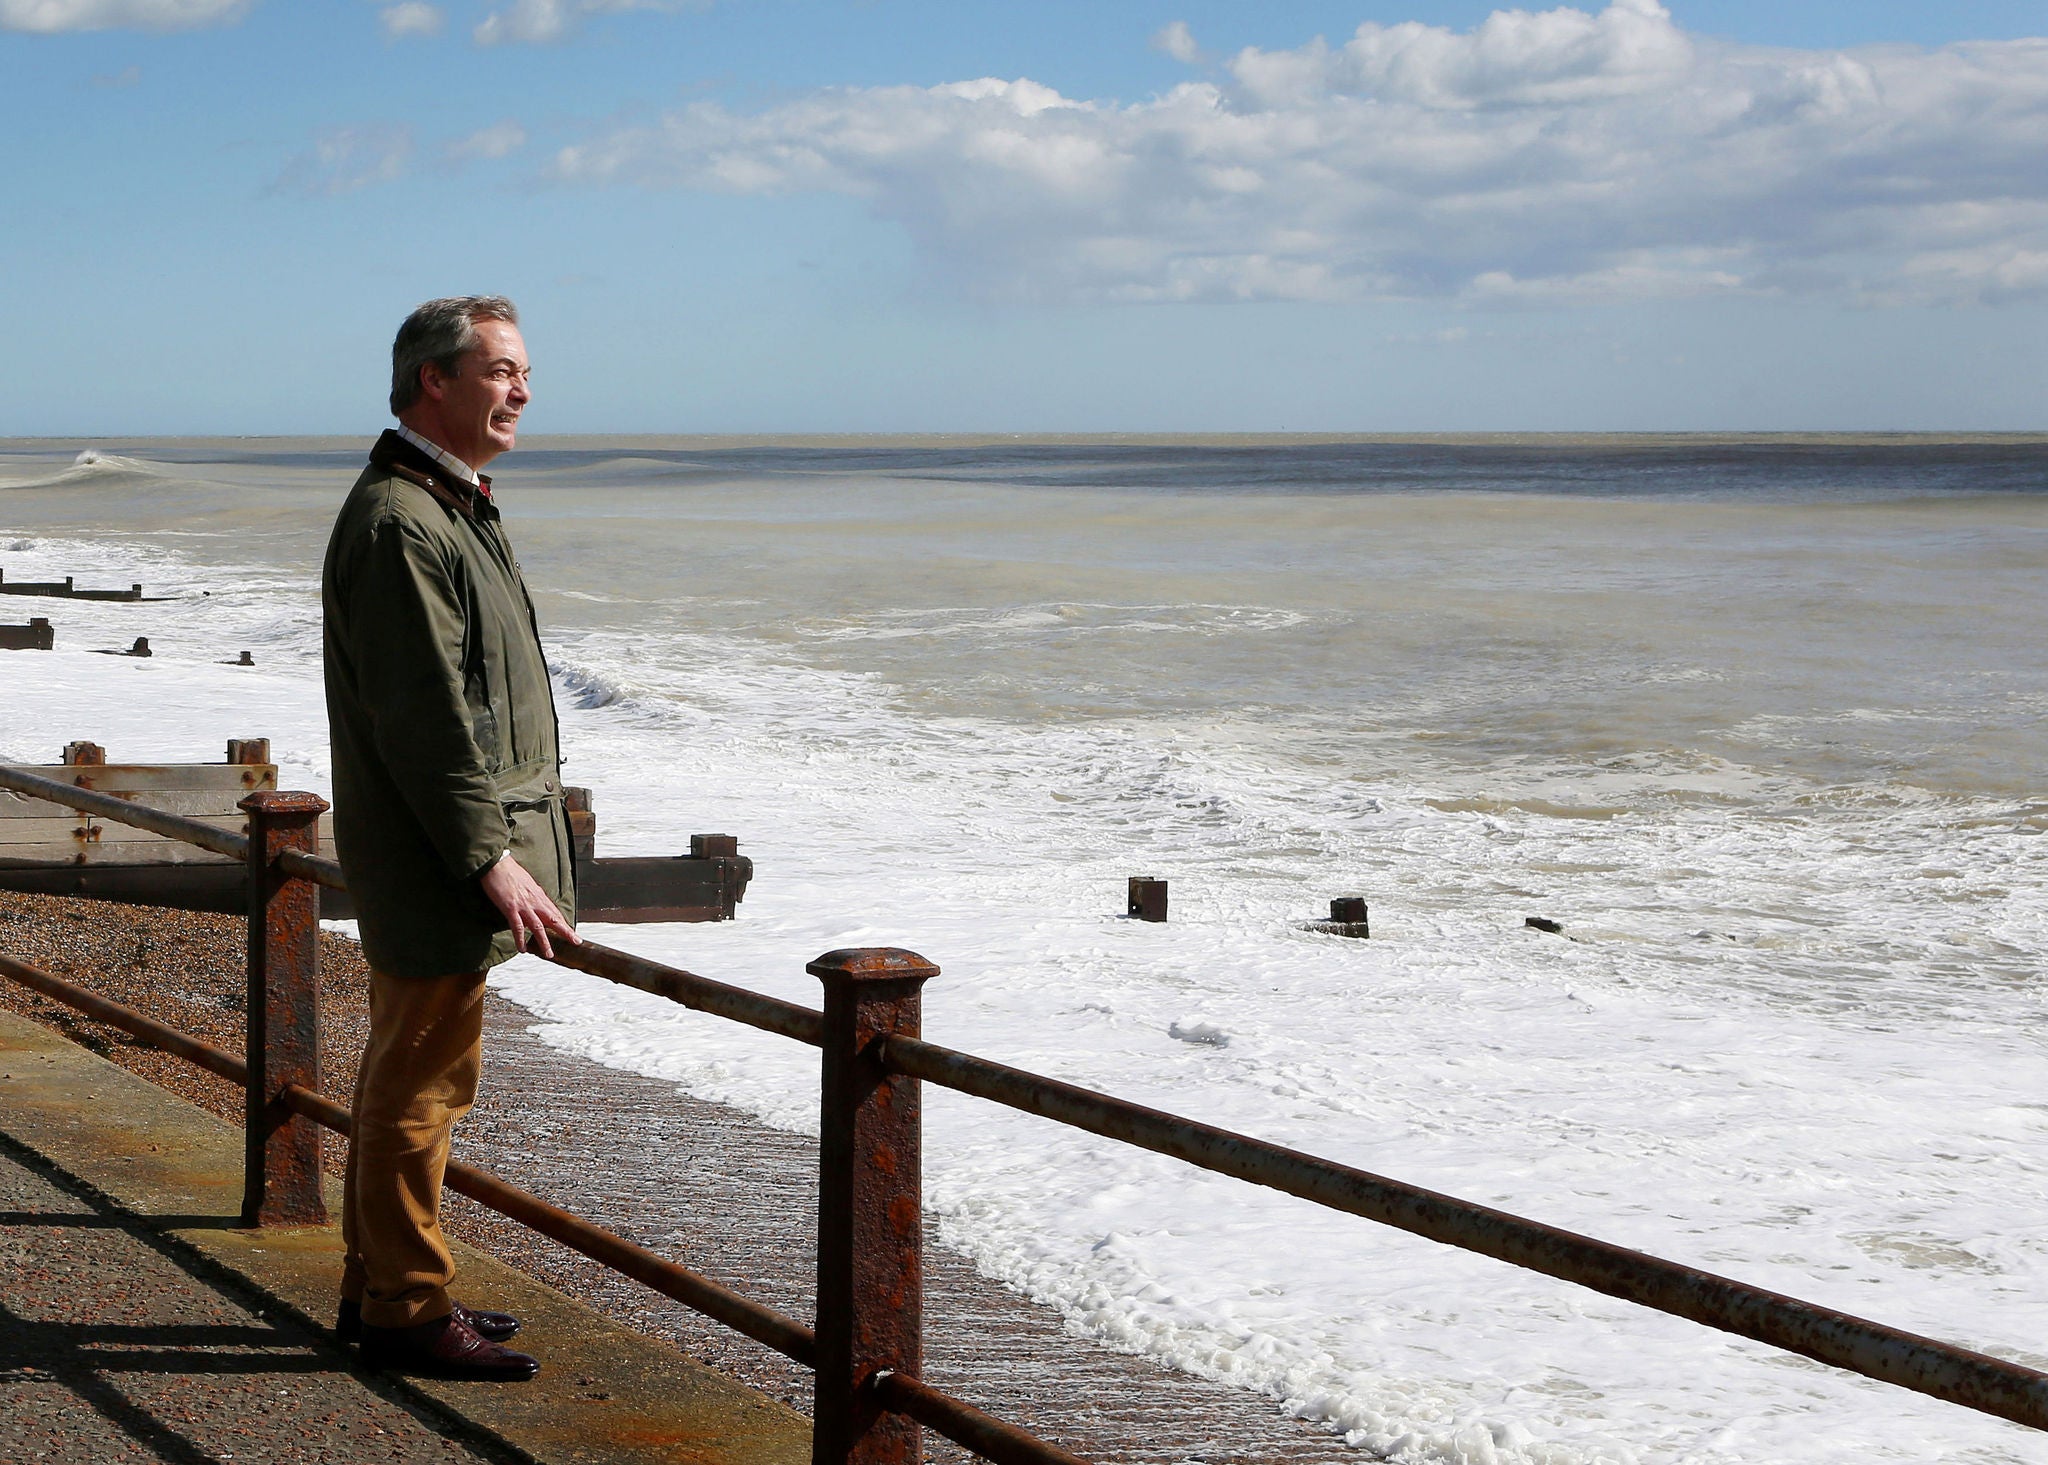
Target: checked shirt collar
point(447, 460)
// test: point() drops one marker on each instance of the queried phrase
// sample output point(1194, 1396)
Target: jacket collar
point(393, 454)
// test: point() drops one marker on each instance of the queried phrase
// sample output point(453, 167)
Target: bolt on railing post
point(870, 1209)
point(282, 1172)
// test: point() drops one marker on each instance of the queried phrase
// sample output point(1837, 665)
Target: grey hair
point(440, 333)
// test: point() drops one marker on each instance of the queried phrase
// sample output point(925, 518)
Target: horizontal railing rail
point(771, 1014)
point(1890, 1355)
point(1872, 1349)
point(761, 1323)
point(963, 1424)
point(312, 867)
point(229, 1066)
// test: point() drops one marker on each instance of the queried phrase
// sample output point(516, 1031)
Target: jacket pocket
point(531, 796)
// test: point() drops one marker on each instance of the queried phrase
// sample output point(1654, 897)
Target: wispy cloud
point(1561, 155)
point(411, 18)
point(127, 76)
point(499, 141)
point(343, 159)
point(539, 22)
point(1177, 41)
point(51, 16)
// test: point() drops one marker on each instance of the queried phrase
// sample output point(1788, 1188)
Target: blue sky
point(905, 215)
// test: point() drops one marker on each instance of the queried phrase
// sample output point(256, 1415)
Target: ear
point(433, 381)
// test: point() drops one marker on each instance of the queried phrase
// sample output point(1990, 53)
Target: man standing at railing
point(449, 816)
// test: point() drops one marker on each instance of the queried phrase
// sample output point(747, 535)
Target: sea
point(1760, 723)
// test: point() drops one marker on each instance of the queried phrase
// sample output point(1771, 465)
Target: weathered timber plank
point(218, 887)
point(203, 881)
point(107, 832)
point(647, 915)
point(21, 806)
point(121, 778)
point(658, 888)
point(96, 830)
point(171, 801)
point(124, 852)
point(153, 852)
point(42, 831)
point(53, 854)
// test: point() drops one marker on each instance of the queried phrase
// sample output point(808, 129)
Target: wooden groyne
point(53, 849)
point(64, 589)
point(37, 635)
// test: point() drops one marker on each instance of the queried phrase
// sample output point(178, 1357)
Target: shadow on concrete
point(99, 1363)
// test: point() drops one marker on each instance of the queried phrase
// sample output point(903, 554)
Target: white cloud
point(543, 21)
point(525, 20)
point(50, 16)
point(1514, 56)
point(343, 159)
point(410, 18)
point(499, 141)
point(1541, 156)
point(1177, 41)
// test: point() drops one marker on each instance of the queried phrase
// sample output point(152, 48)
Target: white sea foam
point(1793, 1035)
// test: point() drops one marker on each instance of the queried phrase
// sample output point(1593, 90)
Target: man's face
point(481, 403)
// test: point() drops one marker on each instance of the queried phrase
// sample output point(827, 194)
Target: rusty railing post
point(870, 1209)
point(282, 1173)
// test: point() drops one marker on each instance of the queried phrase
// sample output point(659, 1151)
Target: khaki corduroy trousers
point(419, 1075)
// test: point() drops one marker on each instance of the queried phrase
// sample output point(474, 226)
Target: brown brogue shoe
point(447, 1347)
point(497, 1326)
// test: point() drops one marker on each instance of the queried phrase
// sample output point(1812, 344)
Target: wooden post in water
point(1348, 917)
point(1147, 898)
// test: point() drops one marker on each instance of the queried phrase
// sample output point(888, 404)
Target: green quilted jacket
point(446, 747)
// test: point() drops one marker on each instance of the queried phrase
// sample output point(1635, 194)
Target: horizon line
point(1136, 438)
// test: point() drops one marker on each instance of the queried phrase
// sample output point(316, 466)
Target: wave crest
point(91, 468)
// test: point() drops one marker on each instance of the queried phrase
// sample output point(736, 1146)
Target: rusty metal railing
point(761, 1323)
point(865, 1419)
point(866, 1349)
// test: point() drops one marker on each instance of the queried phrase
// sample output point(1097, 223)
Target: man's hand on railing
point(526, 907)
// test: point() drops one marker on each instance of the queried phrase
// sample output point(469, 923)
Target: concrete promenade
point(139, 1321)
